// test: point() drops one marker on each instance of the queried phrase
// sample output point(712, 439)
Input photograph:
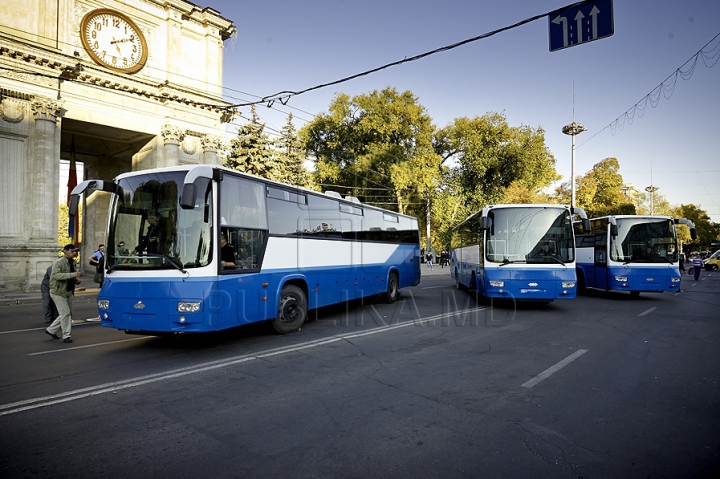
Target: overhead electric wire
point(285, 95)
point(654, 97)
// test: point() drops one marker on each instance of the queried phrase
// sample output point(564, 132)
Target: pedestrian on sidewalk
point(63, 279)
point(97, 260)
point(429, 260)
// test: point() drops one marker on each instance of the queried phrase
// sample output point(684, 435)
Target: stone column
point(172, 137)
point(45, 170)
point(210, 145)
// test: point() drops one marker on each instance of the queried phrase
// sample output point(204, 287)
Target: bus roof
point(347, 199)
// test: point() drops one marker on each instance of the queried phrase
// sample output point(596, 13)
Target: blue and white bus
point(523, 252)
point(632, 253)
point(205, 248)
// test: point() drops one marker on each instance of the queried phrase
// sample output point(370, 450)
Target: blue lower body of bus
point(519, 283)
point(150, 305)
point(631, 278)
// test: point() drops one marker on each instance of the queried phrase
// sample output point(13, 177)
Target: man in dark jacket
point(49, 308)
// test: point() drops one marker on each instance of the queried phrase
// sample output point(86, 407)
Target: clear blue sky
point(293, 45)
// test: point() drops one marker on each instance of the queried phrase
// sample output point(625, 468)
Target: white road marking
point(37, 329)
point(94, 345)
point(648, 311)
point(553, 369)
point(77, 394)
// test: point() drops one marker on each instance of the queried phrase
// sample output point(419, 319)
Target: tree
point(599, 192)
point(494, 162)
point(707, 231)
point(252, 151)
point(379, 146)
point(291, 155)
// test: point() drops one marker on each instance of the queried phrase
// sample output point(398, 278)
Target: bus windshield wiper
point(509, 261)
point(556, 259)
point(168, 259)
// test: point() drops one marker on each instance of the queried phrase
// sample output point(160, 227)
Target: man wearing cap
point(62, 289)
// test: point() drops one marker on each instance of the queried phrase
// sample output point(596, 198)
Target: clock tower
point(115, 86)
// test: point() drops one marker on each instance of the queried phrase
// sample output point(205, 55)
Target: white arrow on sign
point(578, 20)
point(558, 20)
point(594, 13)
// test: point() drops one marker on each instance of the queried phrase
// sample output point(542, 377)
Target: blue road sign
point(581, 24)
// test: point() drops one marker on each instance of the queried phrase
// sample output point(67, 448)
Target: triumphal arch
point(117, 86)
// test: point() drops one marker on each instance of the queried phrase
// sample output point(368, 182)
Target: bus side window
point(600, 248)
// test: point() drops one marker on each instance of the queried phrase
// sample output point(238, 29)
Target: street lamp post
point(573, 129)
point(652, 189)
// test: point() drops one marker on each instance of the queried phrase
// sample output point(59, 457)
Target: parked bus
point(524, 252)
point(631, 253)
point(208, 248)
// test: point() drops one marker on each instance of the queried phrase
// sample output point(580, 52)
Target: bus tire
point(458, 285)
point(292, 310)
point(634, 294)
point(393, 291)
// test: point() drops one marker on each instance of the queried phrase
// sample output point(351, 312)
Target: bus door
point(601, 270)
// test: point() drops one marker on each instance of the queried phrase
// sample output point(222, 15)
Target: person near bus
point(97, 260)
point(697, 265)
point(429, 260)
point(63, 279)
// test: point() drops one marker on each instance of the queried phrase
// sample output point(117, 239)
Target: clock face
point(113, 40)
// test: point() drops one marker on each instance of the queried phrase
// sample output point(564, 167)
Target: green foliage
point(599, 192)
point(379, 146)
point(494, 162)
point(64, 221)
point(255, 153)
point(291, 155)
point(707, 231)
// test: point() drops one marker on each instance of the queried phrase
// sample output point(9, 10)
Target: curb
point(17, 298)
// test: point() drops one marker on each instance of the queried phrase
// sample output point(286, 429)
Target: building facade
point(119, 86)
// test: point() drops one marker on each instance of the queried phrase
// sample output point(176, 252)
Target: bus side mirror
point(693, 234)
point(189, 196)
point(485, 223)
point(586, 225)
point(613, 230)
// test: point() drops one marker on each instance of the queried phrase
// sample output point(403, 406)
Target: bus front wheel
point(393, 291)
point(292, 310)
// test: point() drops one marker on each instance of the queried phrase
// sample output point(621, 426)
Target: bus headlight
point(497, 284)
point(675, 280)
point(103, 304)
point(622, 279)
point(568, 284)
point(188, 307)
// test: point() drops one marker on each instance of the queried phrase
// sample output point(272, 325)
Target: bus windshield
point(530, 235)
point(644, 240)
point(149, 230)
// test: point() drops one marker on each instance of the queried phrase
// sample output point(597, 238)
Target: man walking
point(697, 265)
point(62, 289)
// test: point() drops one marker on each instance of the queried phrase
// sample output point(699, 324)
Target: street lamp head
point(574, 128)
point(652, 188)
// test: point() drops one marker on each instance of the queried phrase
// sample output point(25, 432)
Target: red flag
point(72, 183)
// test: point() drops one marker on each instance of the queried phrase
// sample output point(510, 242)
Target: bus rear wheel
point(292, 310)
point(393, 290)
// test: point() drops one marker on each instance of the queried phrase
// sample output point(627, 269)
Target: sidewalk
point(19, 297)
point(436, 271)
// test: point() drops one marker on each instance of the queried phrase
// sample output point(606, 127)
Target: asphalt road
point(436, 385)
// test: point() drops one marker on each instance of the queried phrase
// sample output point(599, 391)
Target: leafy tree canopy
point(379, 145)
point(493, 162)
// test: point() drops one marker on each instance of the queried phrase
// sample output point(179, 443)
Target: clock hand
point(115, 42)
